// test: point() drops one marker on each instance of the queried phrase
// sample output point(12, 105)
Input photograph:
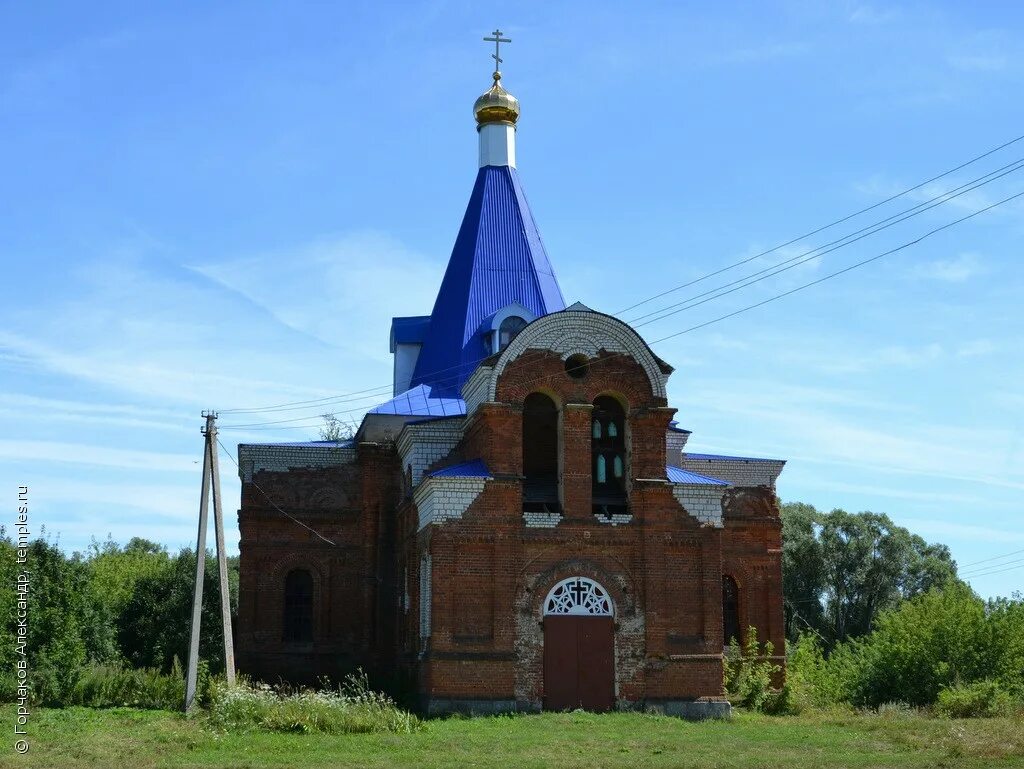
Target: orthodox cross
point(578, 589)
point(497, 40)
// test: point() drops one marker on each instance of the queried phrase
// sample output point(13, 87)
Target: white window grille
point(579, 596)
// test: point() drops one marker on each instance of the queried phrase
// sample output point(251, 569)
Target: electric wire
point(825, 227)
point(755, 305)
point(273, 504)
point(815, 253)
point(843, 271)
point(994, 558)
point(295, 405)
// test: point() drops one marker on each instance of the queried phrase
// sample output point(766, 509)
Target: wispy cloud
point(808, 432)
point(366, 277)
point(956, 269)
point(976, 348)
point(870, 14)
point(946, 530)
point(85, 454)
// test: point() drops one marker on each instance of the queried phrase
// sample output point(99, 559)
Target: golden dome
point(496, 105)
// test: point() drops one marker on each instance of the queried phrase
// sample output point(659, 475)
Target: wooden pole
point(192, 672)
point(222, 558)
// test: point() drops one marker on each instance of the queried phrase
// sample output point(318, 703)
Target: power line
point(815, 253)
point(827, 226)
point(996, 571)
point(983, 569)
point(273, 503)
point(840, 272)
point(748, 307)
point(297, 405)
point(994, 558)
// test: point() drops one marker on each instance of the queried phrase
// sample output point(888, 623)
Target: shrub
point(351, 708)
point(981, 699)
point(112, 686)
point(813, 680)
point(936, 641)
point(748, 673)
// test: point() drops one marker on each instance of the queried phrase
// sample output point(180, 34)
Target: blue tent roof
point(498, 259)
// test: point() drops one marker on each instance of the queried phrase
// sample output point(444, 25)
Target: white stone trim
point(538, 520)
point(474, 391)
point(572, 332)
point(615, 519)
point(675, 442)
point(421, 445)
point(279, 458)
point(446, 498)
point(701, 501)
point(737, 471)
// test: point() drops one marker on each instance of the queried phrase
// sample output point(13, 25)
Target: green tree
point(69, 623)
point(153, 627)
point(116, 570)
point(840, 569)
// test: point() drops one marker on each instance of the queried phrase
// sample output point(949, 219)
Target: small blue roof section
point(679, 475)
point(674, 427)
point(735, 459)
point(475, 468)
point(498, 259)
point(422, 401)
point(409, 330)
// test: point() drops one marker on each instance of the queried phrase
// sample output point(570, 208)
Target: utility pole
point(211, 479)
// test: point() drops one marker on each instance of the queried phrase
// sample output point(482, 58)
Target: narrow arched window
point(508, 330)
point(298, 606)
point(730, 610)
point(540, 454)
point(608, 450)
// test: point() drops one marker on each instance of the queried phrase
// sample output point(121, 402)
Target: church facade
point(520, 527)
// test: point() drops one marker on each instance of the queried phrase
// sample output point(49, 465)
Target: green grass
point(123, 738)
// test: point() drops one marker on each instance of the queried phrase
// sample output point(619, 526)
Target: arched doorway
point(579, 646)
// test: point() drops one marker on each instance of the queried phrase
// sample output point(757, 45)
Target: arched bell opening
point(608, 457)
point(540, 454)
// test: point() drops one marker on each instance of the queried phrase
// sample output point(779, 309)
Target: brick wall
point(453, 602)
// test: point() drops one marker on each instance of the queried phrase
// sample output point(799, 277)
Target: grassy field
point(125, 739)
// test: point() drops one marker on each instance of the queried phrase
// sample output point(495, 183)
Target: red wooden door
point(579, 662)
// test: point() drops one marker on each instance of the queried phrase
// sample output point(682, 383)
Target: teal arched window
point(608, 450)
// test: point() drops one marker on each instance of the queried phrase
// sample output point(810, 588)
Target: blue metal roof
point(408, 330)
point(475, 468)
point(498, 259)
point(422, 401)
point(674, 427)
point(723, 456)
point(679, 475)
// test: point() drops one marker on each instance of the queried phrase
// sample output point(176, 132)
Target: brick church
point(521, 526)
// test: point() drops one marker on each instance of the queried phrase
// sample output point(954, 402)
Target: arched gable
point(581, 331)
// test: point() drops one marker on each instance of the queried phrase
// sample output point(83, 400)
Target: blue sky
point(222, 205)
